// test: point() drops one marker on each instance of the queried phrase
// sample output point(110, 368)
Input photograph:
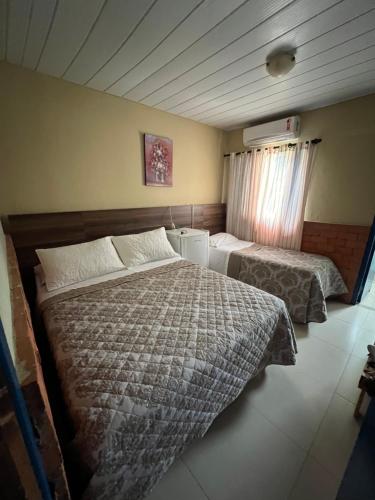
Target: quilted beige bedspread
point(302, 280)
point(148, 361)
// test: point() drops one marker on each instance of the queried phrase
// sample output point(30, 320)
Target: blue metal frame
point(365, 266)
point(11, 380)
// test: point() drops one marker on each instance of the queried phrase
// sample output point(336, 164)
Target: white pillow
point(63, 266)
point(39, 273)
point(220, 239)
point(136, 249)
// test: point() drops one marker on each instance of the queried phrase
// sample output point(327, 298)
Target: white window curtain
point(267, 191)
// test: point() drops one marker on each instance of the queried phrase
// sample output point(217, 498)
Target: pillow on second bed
point(137, 249)
point(64, 266)
point(220, 239)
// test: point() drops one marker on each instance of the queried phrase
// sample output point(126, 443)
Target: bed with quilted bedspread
point(302, 280)
point(147, 361)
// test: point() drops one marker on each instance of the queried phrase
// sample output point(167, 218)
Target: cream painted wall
point(343, 185)
point(65, 147)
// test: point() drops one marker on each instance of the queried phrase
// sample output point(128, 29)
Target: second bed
point(302, 280)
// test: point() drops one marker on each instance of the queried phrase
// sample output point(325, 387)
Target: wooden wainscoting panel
point(44, 229)
point(100, 223)
point(344, 244)
point(211, 217)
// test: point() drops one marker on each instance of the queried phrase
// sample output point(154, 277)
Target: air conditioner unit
point(277, 131)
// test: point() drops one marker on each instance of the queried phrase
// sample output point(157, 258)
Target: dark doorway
point(366, 279)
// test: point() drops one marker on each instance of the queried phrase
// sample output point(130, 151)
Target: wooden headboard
point(31, 231)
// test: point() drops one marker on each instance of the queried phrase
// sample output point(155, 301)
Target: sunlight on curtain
point(267, 192)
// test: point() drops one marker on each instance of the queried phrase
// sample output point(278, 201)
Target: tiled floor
point(369, 300)
point(291, 432)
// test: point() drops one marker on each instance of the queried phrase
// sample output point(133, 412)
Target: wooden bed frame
point(27, 232)
point(31, 231)
point(33, 386)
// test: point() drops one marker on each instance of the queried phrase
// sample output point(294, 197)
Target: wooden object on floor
point(367, 385)
point(358, 406)
point(17, 477)
point(32, 382)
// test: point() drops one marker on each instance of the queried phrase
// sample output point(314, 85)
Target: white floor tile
point(348, 385)
point(365, 338)
point(257, 447)
point(301, 331)
point(315, 483)
point(336, 332)
point(177, 483)
point(292, 400)
point(336, 437)
point(244, 456)
point(369, 322)
point(320, 360)
point(369, 300)
point(355, 315)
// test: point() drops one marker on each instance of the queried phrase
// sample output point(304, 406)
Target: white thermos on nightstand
point(191, 244)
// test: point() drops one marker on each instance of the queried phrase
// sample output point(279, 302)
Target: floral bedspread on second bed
point(302, 280)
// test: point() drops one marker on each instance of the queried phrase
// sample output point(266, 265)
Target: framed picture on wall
point(158, 161)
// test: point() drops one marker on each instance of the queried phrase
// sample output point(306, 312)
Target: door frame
point(365, 266)
point(10, 378)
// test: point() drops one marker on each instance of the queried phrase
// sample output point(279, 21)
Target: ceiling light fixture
point(280, 64)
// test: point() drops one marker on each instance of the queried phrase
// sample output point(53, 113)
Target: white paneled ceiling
point(201, 59)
